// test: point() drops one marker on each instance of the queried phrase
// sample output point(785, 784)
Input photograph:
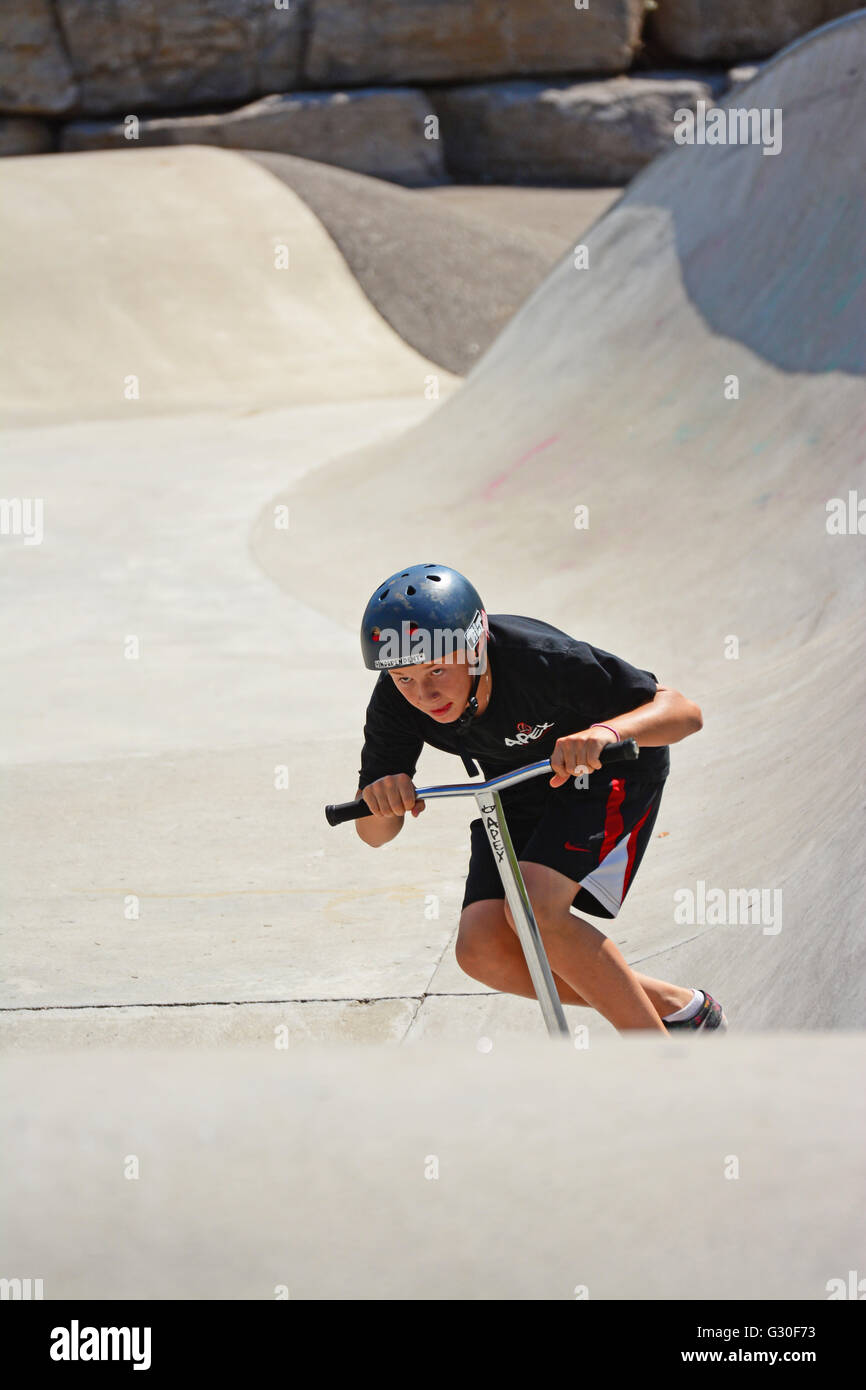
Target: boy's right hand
point(392, 796)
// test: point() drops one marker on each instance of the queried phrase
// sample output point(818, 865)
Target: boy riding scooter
point(506, 690)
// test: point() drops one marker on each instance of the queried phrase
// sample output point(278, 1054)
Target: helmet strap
point(461, 724)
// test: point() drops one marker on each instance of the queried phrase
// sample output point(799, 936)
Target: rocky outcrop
point(244, 74)
point(26, 135)
point(449, 40)
point(378, 131)
point(711, 31)
point(35, 72)
point(130, 55)
point(563, 132)
point(118, 56)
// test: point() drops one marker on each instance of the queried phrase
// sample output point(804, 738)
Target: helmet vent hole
point(410, 588)
point(436, 577)
point(384, 594)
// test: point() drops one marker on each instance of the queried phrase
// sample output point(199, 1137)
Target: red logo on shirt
point(525, 732)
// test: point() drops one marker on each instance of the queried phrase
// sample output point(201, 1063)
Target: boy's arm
point(389, 799)
point(668, 718)
point(389, 741)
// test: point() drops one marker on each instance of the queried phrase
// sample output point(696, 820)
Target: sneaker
point(709, 1015)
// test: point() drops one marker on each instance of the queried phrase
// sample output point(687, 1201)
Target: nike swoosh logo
point(579, 848)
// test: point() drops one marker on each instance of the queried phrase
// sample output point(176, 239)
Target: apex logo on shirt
point(525, 732)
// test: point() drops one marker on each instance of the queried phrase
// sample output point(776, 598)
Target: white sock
point(688, 1010)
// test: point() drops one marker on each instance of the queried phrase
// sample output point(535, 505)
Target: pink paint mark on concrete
point(497, 482)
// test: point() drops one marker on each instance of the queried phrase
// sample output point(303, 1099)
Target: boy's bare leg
point(578, 951)
point(509, 973)
point(583, 956)
point(588, 967)
point(666, 998)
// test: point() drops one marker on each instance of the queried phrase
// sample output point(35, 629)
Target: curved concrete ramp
point(170, 880)
point(627, 1171)
point(706, 461)
point(446, 282)
point(107, 253)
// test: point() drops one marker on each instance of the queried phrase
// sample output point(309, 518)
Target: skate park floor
point(241, 410)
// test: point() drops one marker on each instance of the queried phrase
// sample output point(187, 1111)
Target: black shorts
point(595, 836)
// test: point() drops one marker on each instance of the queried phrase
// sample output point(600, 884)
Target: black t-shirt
point(545, 685)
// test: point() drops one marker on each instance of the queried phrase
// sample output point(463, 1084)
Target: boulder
point(708, 31)
point(378, 131)
point(564, 132)
point(26, 135)
point(144, 55)
point(35, 72)
point(355, 41)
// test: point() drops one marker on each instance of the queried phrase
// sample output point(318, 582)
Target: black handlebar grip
point(623, 752)
point(347, 810)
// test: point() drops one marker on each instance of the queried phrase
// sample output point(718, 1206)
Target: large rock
point(378, 131)
point(563, 132)
point(707, 30)
point(26, 135)
point(138, 55)
point(427, 40)
point(142, 56)
point(35, 72)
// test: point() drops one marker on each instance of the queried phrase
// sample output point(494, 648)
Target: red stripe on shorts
point(632, 848)
point(613, 826)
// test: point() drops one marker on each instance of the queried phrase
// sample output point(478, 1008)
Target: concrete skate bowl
point(447, 284)
point(609, 389)
point(181, 331)
point(165, 263)
point(560, 1168)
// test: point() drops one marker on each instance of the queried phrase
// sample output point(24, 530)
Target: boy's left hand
point(576, 754)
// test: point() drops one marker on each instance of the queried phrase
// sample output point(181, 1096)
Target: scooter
point(488, 796)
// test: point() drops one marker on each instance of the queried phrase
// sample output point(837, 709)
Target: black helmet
point(421, 614)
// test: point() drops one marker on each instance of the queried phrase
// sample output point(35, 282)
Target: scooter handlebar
point(627, 751)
